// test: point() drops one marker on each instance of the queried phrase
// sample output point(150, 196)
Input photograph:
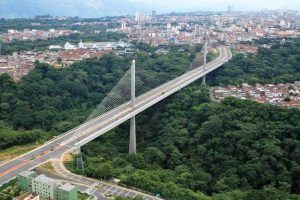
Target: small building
point(29, 196)
point(25, 180)
point(67, 192)
point(46, 187)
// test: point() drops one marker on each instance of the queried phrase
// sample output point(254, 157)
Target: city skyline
point(219, 5)
point(101, 8)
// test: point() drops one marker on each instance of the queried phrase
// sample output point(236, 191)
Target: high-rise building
point(197, 30)
point(141, 17)
point(123, 26)
point(137, 16)
point(153, 15)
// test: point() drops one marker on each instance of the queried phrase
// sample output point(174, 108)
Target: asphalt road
point(96, 187)
point(98, 126)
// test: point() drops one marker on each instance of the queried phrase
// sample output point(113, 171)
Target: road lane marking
point(121, 191)
point(43, 154)
point(115, 190)
point(127, 194)
point(15, 168)
point(105, 187)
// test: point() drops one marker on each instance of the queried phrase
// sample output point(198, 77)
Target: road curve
point(96, 187)
point(90, 130)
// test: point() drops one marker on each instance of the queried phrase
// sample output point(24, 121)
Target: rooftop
point(45, 179)
point(26, 173)
point(67, 187)
point(27, 196)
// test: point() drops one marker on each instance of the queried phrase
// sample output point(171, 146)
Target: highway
point(92, 129)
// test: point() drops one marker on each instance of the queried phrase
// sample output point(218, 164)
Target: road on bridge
point(92, 129)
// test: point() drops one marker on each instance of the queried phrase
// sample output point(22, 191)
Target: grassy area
point(82, 196)
point(15, 151)
point(10, 190)
point(233, 52)
point(69, 160)
point(215, 53)
point(109, 196)
point(47, 168)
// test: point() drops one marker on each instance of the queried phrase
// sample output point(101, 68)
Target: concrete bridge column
point(132, 143)
point(132, 140)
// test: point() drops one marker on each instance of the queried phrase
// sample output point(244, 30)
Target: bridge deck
point(92, 129)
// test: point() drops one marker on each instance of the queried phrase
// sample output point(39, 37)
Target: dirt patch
point(47, 168)
point(67, 157)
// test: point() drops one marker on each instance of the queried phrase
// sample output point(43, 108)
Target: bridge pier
point(79, 161)
point(132, 142)
point(204, 80)
point(132, 139)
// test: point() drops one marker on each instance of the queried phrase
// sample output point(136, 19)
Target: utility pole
point(205, 57)
point(132, 141)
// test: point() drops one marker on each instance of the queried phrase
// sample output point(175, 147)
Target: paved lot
point(95, 187)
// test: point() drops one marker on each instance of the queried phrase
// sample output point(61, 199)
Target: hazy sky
point(222, 4)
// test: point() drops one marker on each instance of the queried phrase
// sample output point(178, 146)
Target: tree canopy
point(279, 64)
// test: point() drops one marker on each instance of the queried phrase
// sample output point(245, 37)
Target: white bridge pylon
point(132, 140)
point(136, 91)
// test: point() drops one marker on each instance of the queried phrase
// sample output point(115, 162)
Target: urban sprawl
point(238, 30)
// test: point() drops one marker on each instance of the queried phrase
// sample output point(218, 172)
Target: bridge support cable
point(132, 139)
point(122, 95)
point(132, 83)
point(120, 98)
point(119, 95)
point(145, 81)
point(119, 114)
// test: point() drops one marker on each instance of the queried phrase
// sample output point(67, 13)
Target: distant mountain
point(81, 8)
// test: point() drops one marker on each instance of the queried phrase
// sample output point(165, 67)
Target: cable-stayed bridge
point(108, 116)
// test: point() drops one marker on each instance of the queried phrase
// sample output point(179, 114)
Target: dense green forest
point(192, 148)
point(279, 64)
point(231, 150)
point(57, 100)
point(10, 137)
point(189, 147)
